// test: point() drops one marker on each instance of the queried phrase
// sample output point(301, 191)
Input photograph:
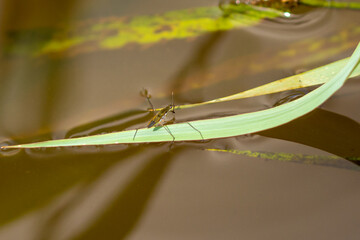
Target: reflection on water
point(324, 130)
point(152, 191)
point(291, 96)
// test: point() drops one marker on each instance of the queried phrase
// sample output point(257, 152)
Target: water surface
point(179, 191)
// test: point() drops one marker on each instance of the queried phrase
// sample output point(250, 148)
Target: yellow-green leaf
point(220, 127)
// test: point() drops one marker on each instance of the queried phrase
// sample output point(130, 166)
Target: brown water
point(154, 191)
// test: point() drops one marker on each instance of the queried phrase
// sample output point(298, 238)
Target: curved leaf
point(310, 78)
point(219, 127)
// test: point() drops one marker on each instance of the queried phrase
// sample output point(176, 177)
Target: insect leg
point(196, 130)
point(135, 134)
point(168, 130)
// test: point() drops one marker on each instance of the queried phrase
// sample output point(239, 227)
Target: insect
point(160, 118)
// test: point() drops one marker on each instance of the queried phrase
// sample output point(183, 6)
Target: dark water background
point(154, 191)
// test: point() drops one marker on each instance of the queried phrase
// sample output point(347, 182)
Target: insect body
point(160, 118)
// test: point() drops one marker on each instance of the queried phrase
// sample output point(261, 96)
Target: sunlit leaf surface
point(310, 78)
point(220, 127)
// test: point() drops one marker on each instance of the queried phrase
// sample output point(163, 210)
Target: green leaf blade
point(219, 127)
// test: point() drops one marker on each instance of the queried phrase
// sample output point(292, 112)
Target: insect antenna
point(145, 93)
point(172, 102)
point(152, 106)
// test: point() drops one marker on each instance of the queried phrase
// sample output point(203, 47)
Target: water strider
point(159, 118)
